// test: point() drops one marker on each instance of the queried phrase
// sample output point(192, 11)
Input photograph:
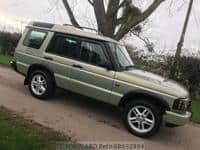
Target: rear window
point(34, 39)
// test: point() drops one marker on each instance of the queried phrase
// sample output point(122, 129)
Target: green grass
point(5, 59)
point(19, 134)
point(196, 111)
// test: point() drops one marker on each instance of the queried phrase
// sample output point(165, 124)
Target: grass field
point(18, 134)
point(5, 59)
point(196, 111)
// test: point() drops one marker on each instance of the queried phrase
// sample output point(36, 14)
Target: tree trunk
point(180, 43)
point(107, 19)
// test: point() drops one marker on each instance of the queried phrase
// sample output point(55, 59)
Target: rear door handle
point(29, 52)
point(48, 58)
point(77, 66)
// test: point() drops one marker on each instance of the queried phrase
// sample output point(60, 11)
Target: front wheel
point(41, 84)
point(142, 118)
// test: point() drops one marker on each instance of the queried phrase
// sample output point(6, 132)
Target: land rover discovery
point(90, 64)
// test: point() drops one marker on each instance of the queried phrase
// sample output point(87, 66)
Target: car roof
point(69, 29)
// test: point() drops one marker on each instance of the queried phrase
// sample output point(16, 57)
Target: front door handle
point(77, 66)
point(48, 58)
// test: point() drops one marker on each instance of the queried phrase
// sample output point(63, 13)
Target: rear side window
point(64, 46)
point(34, 39)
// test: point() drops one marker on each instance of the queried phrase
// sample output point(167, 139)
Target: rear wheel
point(142, 118)
point(41, 84)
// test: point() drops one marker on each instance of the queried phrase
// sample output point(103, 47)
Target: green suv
point(63, 56)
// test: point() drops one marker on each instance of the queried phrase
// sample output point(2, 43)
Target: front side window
point(34, 39)
point(64, 46)
point(121, 55)
point(93, 53)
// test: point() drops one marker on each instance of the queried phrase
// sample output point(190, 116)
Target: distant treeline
point(8, 42)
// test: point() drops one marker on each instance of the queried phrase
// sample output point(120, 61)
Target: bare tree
point(108, 19)
point(137, 31)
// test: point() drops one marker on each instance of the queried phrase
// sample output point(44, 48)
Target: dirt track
point(84, 119)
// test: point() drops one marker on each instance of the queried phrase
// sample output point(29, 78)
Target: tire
point(41, 84)
point(142, 124)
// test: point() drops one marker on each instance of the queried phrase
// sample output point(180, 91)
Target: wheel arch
point(130, 96)
point(34, 67)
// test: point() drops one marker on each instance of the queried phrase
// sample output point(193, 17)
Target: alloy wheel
point(141, 119)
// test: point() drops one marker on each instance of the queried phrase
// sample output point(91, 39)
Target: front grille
point(180, 105)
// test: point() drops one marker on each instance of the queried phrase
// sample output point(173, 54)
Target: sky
point(163, 28)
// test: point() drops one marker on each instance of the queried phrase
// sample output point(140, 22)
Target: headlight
point(180, 104)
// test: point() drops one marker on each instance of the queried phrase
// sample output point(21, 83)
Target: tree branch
point(91, 2)
point(149, 45)
point(100, 14)
point(70, 14)
point(122, 4)
point(150, 9)
point(112, 7)
point(124, 29)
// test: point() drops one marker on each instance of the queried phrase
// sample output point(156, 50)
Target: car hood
point(155, 82)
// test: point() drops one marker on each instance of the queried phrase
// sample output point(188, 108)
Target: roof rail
point(82, 28)
point(43, 24)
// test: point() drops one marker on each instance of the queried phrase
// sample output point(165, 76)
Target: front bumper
point(176, 118)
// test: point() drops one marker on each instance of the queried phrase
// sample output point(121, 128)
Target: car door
point(90, 76)
point(59, 57)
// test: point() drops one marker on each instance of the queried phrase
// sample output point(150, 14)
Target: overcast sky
point(163, 29)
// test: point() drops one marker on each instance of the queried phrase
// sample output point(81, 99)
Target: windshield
point(121, 55)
